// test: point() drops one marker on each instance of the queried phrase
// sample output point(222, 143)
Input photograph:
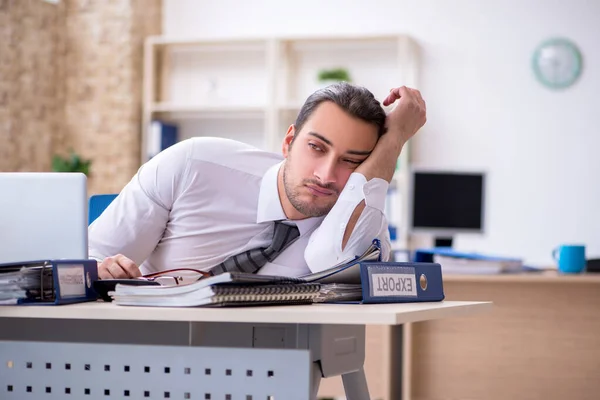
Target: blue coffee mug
point(570, 258)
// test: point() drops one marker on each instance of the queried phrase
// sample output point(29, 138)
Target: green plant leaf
point(72, 163)
point(337, 74)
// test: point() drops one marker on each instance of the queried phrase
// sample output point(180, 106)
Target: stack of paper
point(337, 292)
point(478, 266)
point(459, 262)
point(223, 289)
point(24, 283)
point(10, 290)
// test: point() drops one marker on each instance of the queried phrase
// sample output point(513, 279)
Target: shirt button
point(367, 191)
point(350, 187)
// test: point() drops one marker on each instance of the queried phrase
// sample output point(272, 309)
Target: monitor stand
point(443, 242)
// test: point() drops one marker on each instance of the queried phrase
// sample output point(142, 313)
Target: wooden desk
point(94, 349)
point(541, 341)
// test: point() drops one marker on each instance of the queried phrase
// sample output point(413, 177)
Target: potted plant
point(328, 76)
point(71, 163)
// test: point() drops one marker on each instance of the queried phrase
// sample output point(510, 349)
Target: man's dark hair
point(357, 101)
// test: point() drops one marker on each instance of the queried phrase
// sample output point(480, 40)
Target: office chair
point(98, 204)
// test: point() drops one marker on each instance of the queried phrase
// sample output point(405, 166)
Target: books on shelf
point(162, 136)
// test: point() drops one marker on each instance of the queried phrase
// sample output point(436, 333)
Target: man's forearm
point(382, 161)
point(380, 164)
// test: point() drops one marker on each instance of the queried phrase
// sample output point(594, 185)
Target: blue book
point(427, 255)
point(162, 136)
point(48, 282)
point(401, 282)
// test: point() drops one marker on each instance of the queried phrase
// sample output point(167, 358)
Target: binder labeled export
point(391, 282)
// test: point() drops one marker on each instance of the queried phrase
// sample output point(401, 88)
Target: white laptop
point(43, 215)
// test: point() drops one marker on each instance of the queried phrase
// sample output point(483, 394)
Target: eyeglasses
point(189, 275)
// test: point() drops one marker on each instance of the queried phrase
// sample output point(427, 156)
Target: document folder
point(49, 282)
point(401, 282)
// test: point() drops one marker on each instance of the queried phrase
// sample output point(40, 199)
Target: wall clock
point(557, 63)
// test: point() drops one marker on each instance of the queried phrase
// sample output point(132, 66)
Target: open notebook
point(338, 283)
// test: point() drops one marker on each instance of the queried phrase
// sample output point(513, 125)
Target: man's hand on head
point(409, 115)
point(118, 267)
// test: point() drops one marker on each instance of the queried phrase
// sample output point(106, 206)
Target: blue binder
point(69, 281)
point(426, 255)
point(401, 282)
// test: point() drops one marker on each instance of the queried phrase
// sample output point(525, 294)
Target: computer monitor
point(445, 203)
point(43, 215)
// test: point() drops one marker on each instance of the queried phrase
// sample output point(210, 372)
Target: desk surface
point(350, 314)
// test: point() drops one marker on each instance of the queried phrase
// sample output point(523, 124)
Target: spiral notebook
point(222, 295)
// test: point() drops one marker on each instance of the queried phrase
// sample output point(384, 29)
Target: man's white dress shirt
point(205, 199)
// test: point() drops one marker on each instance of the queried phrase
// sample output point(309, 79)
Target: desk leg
point(315, 380)
point(355, 385)
point(340, 350)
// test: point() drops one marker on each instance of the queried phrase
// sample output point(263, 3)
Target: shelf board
point(210, 111)
point(166, 40)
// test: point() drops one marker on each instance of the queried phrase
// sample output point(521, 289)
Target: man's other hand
point(118, 267)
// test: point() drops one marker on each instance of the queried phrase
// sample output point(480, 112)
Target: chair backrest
point(98, 204)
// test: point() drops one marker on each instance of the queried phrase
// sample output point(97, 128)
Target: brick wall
point(70, 78)
point(31, 94)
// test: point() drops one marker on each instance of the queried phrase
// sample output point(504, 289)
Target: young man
point(217, 205)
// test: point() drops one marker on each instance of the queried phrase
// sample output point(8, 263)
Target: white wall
point(485, 108)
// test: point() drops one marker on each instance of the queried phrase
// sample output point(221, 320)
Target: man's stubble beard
point(293, 195)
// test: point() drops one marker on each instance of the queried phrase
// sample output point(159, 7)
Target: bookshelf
point(251, 89)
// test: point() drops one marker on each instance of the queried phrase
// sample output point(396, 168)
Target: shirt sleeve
point(134, 222)
point(324, 248)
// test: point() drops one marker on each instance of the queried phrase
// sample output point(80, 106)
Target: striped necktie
point(252, 260)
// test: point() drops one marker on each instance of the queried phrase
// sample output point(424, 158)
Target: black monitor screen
point(447, 201)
